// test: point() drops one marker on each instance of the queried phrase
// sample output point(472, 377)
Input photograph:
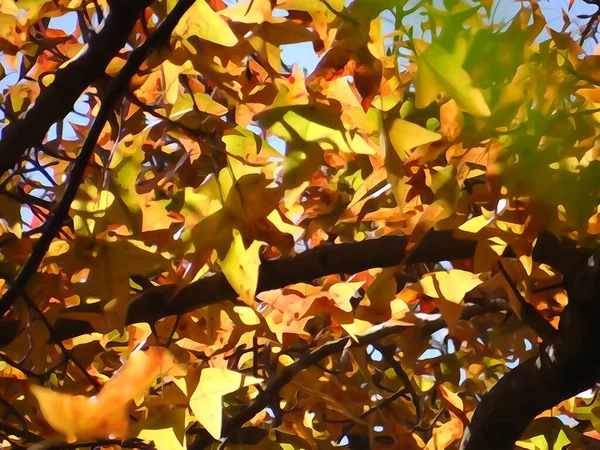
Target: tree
point(398, 249)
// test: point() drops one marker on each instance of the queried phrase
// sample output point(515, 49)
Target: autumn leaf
point(445, 434)
point(241, 265)
point(406, 135)
point(202, 21)
point(167, 431)
point(449, 288)
point(297, 208)
point(207, 400)
point(104, 415)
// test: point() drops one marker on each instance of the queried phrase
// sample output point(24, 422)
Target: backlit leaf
point(450, 288)
point(406, 135)
point(207, 400)
point(241, 266)
point(440, 70)
point(104, 415)
point(202, 21)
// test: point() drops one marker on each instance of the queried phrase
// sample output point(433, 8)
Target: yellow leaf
point(207, 400)
point(405, 136)
point(250, 11)
point(166, 429)
point(57, 248)
point(247, 315)
point(356, 328)
point(200, 20)
point(475, 224)
point(423, 383)
point(286, 360)
point(163, 438)
point(451, 285)
point(450, 288)
point(241, 266)
point(399, 308)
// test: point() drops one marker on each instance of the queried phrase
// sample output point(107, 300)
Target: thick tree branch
point(526, 391)
point(325, 260)
point(57, 100)
point(117, 88)
point(564, 368)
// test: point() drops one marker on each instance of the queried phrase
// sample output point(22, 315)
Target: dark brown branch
point(57, 100)
point(431, 325)
point(523, 393)
point(23, 434)
point(117, 88)
point(330, 259)
point(564, 368)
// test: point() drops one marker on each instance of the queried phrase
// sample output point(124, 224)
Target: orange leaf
point(103, 415)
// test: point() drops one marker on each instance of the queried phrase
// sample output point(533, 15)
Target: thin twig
point(279, 380)
point(383, 404)
point(23, 434)
point(388, 355)
point(339, 14)
point(11, 410)
point(58, 342)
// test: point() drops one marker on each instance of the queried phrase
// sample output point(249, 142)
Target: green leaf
point(306, 123)
point(440, 70)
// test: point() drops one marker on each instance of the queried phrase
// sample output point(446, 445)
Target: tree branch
point(57, 100)
point(348, 258)
point(277, 382)
point(526, 391)
point(388, 353)
point(564, 368)
point(117, 88)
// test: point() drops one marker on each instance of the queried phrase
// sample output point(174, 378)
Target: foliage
point(282, 260)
